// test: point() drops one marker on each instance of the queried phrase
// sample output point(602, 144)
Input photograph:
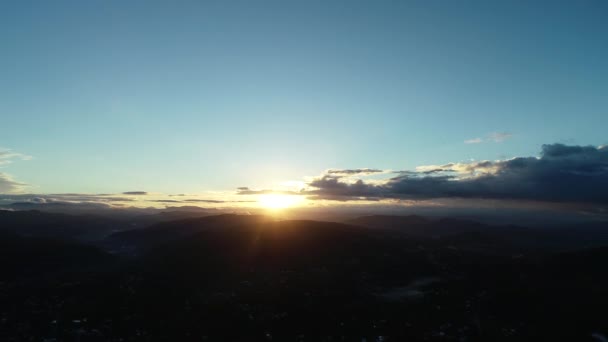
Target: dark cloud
point(560, 150)
point(142, 193)
point(332, 187)
point(561, 174)
point(330, 175)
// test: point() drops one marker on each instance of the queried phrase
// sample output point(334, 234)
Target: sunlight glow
point(278, 201)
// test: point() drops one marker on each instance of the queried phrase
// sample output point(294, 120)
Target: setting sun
point(278, 201)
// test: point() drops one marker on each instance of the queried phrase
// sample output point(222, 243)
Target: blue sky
point(186, 97)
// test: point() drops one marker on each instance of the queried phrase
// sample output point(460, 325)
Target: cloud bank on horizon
point(561, 173)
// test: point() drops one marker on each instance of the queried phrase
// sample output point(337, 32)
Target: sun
point(278, 201)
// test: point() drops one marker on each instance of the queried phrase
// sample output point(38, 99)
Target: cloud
point(140, 193)
point(198, 201)
point(60, 206)
point(246, 191)
point(560, 174)
point(464, 169)
point(65, 199)
point(353, 172)
point(76, 202)
point(7, 156)
point(473, 141)
point(346, 175)
point(496, 137)
point(204, 201)
point(334, 188)
point(499, 137)
point(61, 202)
point(72, 197)
point(214, 201)
point(9, 185)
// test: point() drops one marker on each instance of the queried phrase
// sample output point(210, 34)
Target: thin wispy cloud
point(499, 137)
point(8, 156)
point(473, 141)
point(353, 172)
point(200, 201)
point(7, 182)
point(494, 137)
point(76, 202)
point(243, 190)
point(10, 185)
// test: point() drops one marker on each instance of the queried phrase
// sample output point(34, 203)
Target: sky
point(192, 97)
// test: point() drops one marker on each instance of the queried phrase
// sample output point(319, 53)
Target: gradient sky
point(185, 97)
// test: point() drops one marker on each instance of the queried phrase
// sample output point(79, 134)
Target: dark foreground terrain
point(250, 278)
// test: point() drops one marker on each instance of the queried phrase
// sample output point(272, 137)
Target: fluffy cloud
point(560, 174)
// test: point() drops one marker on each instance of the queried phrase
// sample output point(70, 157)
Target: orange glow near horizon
point(279, 201)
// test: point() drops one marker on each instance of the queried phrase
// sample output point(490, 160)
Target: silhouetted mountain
point(472, 234)
point(36, 256)
point(172, 230)
point(41, 224)
point(244, 277)
point(148, 219)
point(259, 243)
point(388, 221)
point(582, 263)
point(418, 226)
